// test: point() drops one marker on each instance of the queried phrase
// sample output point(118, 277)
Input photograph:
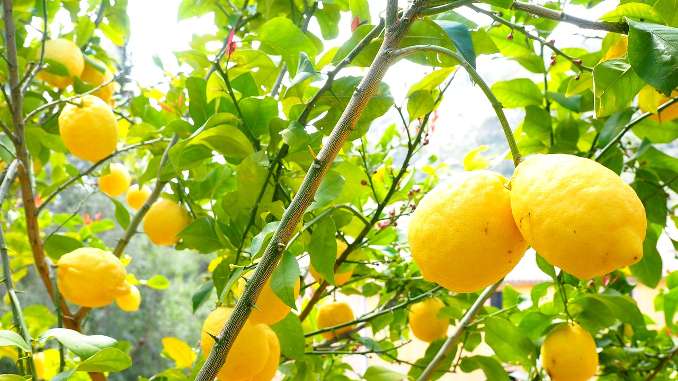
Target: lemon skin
point(136, 196)
point(269, 308)
point(569, 354)
point(250, 350)
point(577, 214)
point(116, 182)
point(424, 321)
point(88, 128)
point(462, 235)
point(130, 301)
point(91, 277)
point(164, 221)
point(333, 314)
point(66, 53)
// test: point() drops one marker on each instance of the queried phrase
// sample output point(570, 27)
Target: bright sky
point(466, 119)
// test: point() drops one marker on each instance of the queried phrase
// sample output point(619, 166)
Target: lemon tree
point(312, 182)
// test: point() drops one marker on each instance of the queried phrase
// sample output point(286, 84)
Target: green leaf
point(615, 84)
point(305, 71)
point(57, 245)
point(328, 19)
point(323, 248)
point(649, 269)
point(158, 282)
point(474, 160)
point(517, 47)
point(653, 54)
point(668, 10)
point(544, 266)
point(258, 113)
point(201, 235)
point(461, 38)
point(518, 92)
point(508, 342)
point(360, 9)
point(13, 339)
point(366, 56)
point(634, 10)
point(330, 188)
point(202, 295)
point(492, 368)
point(11, 377)
point(285, 278)
point(427, 32)
point(419, 104)
point(537, 123)
point(197, 97)
point(106, 360)
point(291, 336)
point(226, 139)
point(121, 214)
point(432, 80)
point(377, 373)
point(81, 345)
point(280, 36)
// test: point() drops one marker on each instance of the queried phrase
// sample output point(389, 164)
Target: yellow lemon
point(462, 235)
point(576, 213)
point(88, 128)
point(269, 308)
point(116, 182)
point(332, 314)
point(136, 197)
point(340, 278)
point(164, 221)
point(39, 364)
point(46, 363)
point(91, 277)
point(569, 354)
point(130, 301)
point(67, 56)
point(250, 349)
point(424, 320)
point(95, 74)
point(271, 366)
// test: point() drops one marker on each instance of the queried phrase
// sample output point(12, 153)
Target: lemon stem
point(563, 294)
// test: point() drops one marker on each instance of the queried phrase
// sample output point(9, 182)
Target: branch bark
point(293, 214)
point(538, 10)
point(451, 342)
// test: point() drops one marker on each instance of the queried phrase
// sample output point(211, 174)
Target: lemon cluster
point(470, 233)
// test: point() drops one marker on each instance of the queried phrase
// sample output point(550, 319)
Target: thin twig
point(91, 169)
point(617, 27)
point(450, 342)
point(30, 75)
point(630, 125)
point(496, 105)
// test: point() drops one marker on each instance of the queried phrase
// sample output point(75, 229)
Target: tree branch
point(521, 28)
point(303, 198)
point(91, 169)
point(17, 313)
point(450, 342)
point(617, 27)
point(370, 316)
point(496, 105)
point(28, 78)
point(630, 125)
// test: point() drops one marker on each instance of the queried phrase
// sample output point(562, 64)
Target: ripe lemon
point(271, 366)
point(333, 314)
point(340, 278)
point(424, 320)
point(462, 234)
point(116, 182)
point(269, 308)
point(579, 215)
point(91, 277)
point(249, 353)
point(136, 197)
point(96, 73)
point(88, 128)
point(67, 56)
point(164, 221)
point(130, 301)
point(39, 365)
point(569, 354)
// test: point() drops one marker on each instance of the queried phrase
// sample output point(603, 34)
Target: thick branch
point(451, 342)
point(538, 10)
point(630, 125)
point(293, 214)
point(91, 169)
point(496, 105)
